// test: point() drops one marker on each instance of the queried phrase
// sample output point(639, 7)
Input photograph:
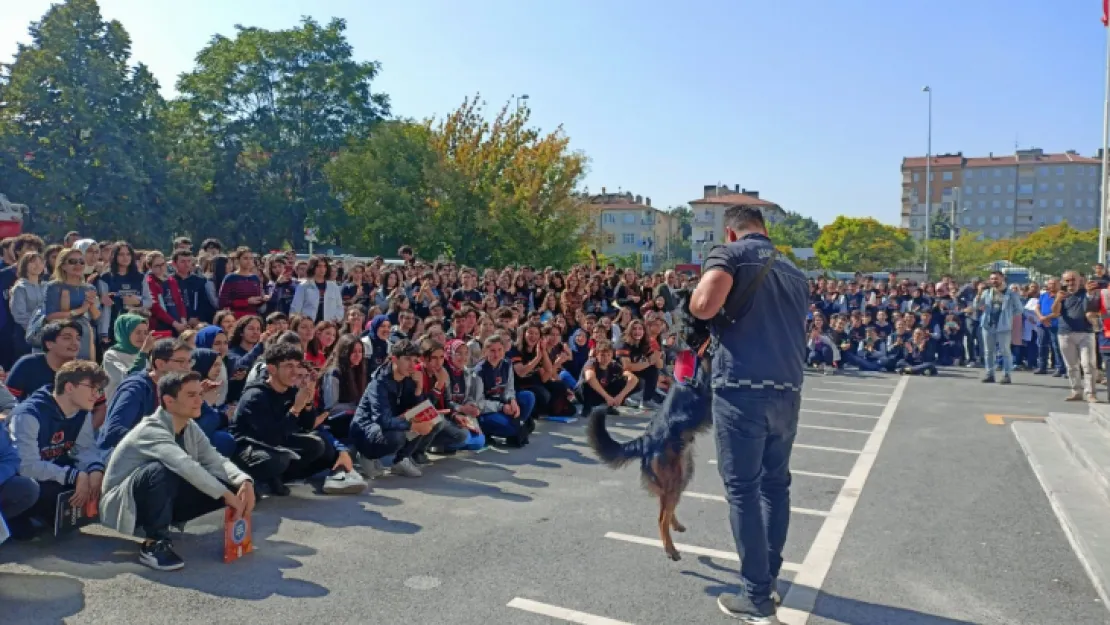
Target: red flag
point(1106, 12)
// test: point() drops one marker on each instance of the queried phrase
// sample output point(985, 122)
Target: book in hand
point(424, 412)
point(4, 532)
point(237, 536)
point(68, 518)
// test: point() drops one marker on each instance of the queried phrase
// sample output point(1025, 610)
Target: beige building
point(707, 222)
point(626, 224)
point(1003, 196)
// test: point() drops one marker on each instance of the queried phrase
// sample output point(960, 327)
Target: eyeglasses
point(75, 261)
point(96, 388)
point(158, 265)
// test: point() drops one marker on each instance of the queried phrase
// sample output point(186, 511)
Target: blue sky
point(812, 102)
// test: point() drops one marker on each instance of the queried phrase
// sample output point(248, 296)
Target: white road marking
point(844, 383)
point(805, 586)
point(808, 473)
point(839, 450)
point(698, 551)
point(832, 429)
point(563, 614)
point(840, 414)
point(830, 390)
point(842, 401)
point(720, 498)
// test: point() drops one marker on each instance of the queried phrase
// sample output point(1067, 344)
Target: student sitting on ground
point(918, 356)
point(277, 431)
point(17, 492)
point(506, 413)
point(379, 429)
point(463, 392)
point(452, 434)
point(137, 395)
point(165, 472)
point(342, 384)
point(212, 420)
point(213, 338)
point(130, 331)
point(53, 433)
point(604, 381)
point(61, 341)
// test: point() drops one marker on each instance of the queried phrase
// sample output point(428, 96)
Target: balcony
point(705, 219)
point(647, 221)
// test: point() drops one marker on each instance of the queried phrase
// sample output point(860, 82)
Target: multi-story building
point(707, 222)
point(627, 224)
point(1003, 196)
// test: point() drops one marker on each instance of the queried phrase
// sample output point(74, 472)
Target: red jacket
point(160, 318)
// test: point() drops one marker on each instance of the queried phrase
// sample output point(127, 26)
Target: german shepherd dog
point(665, 449)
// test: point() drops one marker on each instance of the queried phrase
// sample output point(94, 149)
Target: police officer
point(756, 302)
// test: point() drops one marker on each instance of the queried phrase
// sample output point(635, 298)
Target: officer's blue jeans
point(997, 344)
point(755, 434)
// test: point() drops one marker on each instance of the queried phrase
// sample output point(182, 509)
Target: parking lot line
point(563, 614)
point(845, 392)
point(808, 473)
point(829, 428)
point(839, 450)
point(840, 414)
point(843, 401)
point(692, 549)
point(861, 384)
point(720, 498)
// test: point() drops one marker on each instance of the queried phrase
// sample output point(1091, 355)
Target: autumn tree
point(263, 113)
point(852, 244)
point(1056, 249)
point(80, 129)
point(973, 256)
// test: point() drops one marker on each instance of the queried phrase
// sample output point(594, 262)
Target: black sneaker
point(421, 458)
point(278, 488)
point(741, 608)
point(159, 555)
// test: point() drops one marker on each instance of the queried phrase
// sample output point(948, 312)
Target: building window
point(968, 174)
point(982, 204)
point(1080, 171)
point(913, 223)
point(982, 220)
point(1078, 203)
point(967, 206)
point(608, 218)
point(1026, 188)
point(610, 238)
point(1093, 170)
point(997, 173)
point(1090, 203)
point(1059, 186)
point(1043, 203)
point(1058, 203)
point(1042, 171)
point(629, 218)
point(996, 204)
point(932, 176)
point(1079, 185)
point(948, 175)
point(982, 189)
point(1009, 188)
point(1009, 203)
point(967, 220)
point(998, 188)
point(994, 220)
point(1059, 171)
point(1009, 220)
point(1058, 218)
point(1091, 188)
point(1043, 187)
point(969, 189)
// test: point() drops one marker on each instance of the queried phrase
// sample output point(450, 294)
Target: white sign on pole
point(310, 235)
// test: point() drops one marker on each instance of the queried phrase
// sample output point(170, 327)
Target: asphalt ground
point(910, 507)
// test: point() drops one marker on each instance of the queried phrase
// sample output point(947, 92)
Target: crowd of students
point(158, 390)
point(897, 325)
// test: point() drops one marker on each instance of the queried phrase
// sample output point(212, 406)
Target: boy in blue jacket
point(136, 396)
point(17, 493)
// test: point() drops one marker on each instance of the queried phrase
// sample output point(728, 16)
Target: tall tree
point(973, 257)
point(1056, 249)
point(79, 128)
point(851, 244)
point(277, 106)
point(794, 231)
point(680, 239)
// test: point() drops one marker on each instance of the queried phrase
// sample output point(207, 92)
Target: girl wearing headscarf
point(130, 332)
point(463, 392)
point(213, 338)
point(377, 342)
point(208, 364)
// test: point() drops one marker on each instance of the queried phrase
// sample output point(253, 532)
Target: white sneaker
point(344, 483)
point(406, 468)
point(371, 468)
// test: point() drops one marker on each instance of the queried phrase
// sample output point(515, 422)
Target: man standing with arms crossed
point(756, 302)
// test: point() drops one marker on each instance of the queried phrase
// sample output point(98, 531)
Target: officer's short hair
point(742, 217)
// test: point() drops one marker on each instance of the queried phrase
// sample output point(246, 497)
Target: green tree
point(79, 129)
point(681, 232)
point(851, 244)
point(794, 231)
point(276, 107)
point(973, 257)
point(1056, 249)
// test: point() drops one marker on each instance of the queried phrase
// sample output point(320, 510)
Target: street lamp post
point(928, 178)
point(952, 232)
point(519, 98)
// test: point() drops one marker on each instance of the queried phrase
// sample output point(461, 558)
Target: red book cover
point(237, 536)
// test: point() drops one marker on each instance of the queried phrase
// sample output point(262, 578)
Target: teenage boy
point(506, 413)
point(165, 472)
point(137, 395)
point(52, 431)
point(379, 429)
point(61, 341)
point(604, 380)
point(277, 430)
point(17, 493)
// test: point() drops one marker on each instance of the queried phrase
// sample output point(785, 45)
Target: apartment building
point(627, 224)
point(707, 222)
point(1003, 196)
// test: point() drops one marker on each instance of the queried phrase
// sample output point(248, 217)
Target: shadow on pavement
point(335, 511)
point(34, 599)
point(832, 607)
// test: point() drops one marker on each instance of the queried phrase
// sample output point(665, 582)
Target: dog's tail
point(608, 450)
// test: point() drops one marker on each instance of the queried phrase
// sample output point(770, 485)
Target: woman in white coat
point(318, 298)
